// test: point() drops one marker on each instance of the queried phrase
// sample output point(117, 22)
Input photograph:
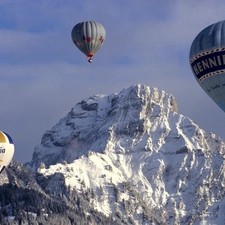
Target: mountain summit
point(140, 159)
point(118, 123)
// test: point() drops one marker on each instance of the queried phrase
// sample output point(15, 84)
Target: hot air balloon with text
point(6, 150)
point(88, 37)
point(207, 60)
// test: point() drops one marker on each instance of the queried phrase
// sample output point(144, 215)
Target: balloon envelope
point(88, 37)
point(6, 150)
point(207, 60)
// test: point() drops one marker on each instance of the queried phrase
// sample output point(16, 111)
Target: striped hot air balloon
point(207, 60)
point(88, 37)
point(6, 150)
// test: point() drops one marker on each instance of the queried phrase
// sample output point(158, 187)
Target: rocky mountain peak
point(93, 123)
point(138, 159)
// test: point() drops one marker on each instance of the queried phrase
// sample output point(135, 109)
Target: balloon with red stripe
point(6, 150)
point(88, 36)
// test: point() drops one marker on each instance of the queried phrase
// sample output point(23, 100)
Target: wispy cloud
point(43, 75)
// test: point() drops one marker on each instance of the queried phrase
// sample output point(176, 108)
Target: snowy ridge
point(144, 162)
point(92, 123)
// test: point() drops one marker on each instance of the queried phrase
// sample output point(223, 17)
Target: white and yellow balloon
point(6, 150)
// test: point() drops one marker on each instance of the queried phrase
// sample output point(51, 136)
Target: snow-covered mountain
point(142, 161)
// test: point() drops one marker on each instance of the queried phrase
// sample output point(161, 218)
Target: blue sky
point(43, 75)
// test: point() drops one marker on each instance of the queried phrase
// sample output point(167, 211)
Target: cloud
point(43, 75)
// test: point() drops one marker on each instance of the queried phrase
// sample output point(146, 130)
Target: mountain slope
point(95, 124)
point(144, 162)
point(126, 158)
point(26, 199)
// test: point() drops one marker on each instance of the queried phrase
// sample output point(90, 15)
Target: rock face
point(102, 123)
point(143, 162)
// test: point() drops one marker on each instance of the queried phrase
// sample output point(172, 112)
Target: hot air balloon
point(207, 60)
point(88, 37)
point(6, 150)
